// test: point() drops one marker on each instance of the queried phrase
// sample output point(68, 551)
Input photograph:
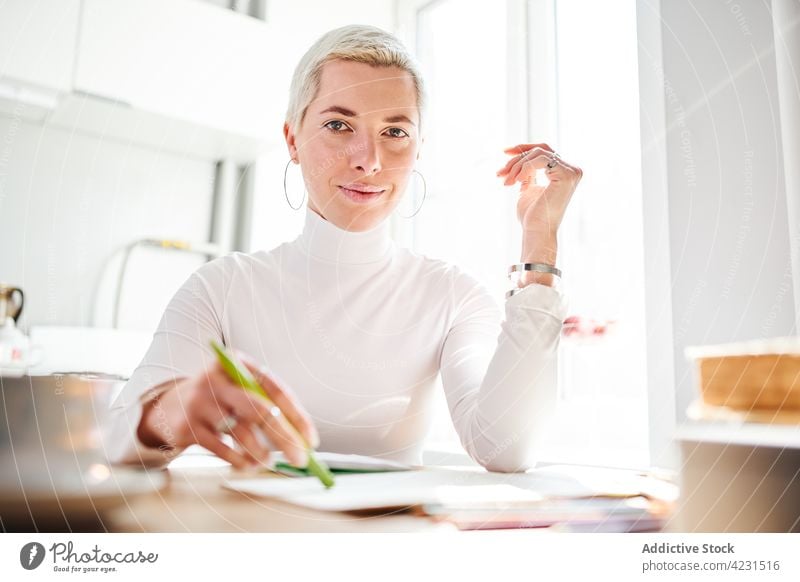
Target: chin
point(355, 217)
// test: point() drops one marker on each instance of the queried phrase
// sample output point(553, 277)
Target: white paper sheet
point(430, 485)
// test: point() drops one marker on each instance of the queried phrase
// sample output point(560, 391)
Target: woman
point(345, 330)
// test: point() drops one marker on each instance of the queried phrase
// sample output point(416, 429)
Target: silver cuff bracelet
point(539, 267)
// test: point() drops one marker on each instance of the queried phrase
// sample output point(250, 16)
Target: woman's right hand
point(189, 413)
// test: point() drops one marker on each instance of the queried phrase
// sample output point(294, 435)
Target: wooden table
point(194, 501)
point(188, 497)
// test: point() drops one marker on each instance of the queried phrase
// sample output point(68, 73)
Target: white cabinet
point(37, 52)
point(182, 59)
point(177, 75)
point(738, 476)
point(37, 42)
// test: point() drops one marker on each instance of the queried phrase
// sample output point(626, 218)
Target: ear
point(290, 138)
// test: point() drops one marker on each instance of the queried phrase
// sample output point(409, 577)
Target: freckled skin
point(334, 149)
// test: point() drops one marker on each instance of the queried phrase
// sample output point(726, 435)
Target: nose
point(365, 158)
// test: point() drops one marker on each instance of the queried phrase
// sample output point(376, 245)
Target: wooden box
point(761, 375)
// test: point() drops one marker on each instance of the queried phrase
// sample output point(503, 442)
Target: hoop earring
point(286, 194)
point(424, 193)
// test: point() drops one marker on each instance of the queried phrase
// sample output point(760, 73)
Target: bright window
point(503, 72)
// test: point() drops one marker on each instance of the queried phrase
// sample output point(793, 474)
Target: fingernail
point(314, 439)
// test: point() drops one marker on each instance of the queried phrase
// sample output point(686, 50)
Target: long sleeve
point(179, 349)
point(500, 377)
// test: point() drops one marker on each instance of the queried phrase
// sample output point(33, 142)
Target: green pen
point(242, 376)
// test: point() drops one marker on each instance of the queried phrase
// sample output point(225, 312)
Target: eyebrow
point(348, 113)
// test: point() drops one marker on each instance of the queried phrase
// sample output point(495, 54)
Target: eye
point(335, 125)
point(402, 132)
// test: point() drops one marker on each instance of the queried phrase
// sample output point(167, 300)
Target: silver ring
point(227, 424)
point(553, 161)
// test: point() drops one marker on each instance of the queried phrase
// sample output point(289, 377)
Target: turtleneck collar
point(324, 240)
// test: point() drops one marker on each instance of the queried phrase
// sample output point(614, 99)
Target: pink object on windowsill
point(577, 327)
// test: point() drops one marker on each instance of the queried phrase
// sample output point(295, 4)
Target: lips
point(362, 193)
point(363, 188)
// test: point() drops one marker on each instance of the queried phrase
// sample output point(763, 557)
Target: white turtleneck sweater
point(359, 329)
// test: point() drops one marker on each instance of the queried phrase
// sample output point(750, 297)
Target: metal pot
point(51, 438)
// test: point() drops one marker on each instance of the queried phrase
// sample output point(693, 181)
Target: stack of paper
point(474, 498)
point(601, 514)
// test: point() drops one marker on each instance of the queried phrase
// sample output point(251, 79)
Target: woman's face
point(358, 143)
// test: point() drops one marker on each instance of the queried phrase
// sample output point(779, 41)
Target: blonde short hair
point(358, 43)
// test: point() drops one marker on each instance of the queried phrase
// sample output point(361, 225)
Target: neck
point(324, 240)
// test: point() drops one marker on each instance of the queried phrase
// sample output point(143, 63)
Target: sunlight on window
point(465, 218)
point(603, 417)
point(469, 218)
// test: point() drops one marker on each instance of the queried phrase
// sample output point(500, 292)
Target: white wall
point(729, 260)
point(68, 201)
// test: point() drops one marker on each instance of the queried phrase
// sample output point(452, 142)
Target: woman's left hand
point(540, 209)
